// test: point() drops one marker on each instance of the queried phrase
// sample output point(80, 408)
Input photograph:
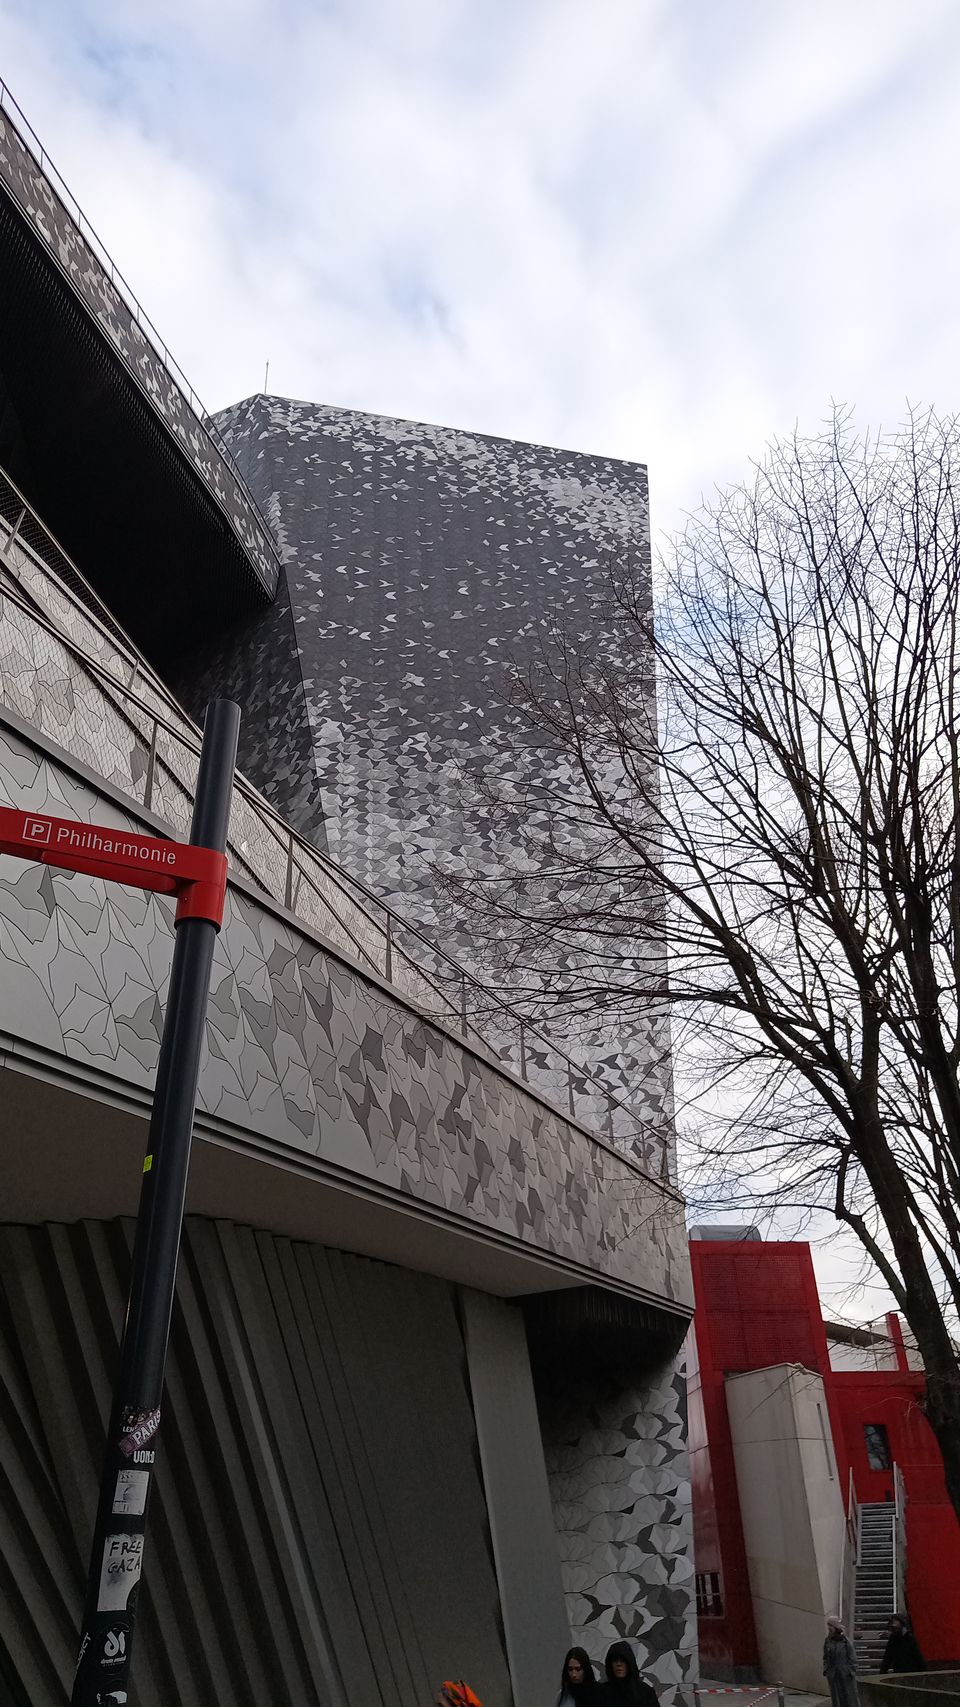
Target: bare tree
point(788, 822)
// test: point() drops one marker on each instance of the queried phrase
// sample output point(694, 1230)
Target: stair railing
point(849, 1557)
point(899, 1540)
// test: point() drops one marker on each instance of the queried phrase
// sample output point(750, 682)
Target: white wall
point(791, 1507)
point(880, 1353)
point(872, 1357)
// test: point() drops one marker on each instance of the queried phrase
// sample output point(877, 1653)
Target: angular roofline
point(431, 426)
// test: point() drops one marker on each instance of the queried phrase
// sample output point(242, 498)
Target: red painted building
point(757, 1307)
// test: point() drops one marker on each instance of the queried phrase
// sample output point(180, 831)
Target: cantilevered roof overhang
point(102, 438)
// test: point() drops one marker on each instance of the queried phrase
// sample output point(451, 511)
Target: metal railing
point(31, 142)
point(849, 1556)
point(899, 1541)
point(67, 669)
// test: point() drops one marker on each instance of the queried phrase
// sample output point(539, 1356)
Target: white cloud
point(655, 231)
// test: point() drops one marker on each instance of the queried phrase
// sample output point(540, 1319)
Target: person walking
point(902, 1652)
point(578, 1683)
point(840, 1665)
point(624, 1686)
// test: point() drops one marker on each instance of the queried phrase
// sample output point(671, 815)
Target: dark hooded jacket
point(902, 1652)
point(631, 1691)
point(587, 1693)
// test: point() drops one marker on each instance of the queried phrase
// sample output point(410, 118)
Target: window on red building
point(878, 1446)
point(709, 1601)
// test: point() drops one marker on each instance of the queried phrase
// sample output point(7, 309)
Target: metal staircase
point(873, 1571)
point(875, 1592)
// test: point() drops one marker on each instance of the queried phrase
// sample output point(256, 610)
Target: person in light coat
point(840, 1665)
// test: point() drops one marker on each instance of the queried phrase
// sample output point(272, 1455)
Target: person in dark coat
point(624, 1686)
point(578, 1684)
point(902, 1652)
point(840, 1666)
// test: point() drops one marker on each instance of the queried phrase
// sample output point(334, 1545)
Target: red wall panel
point(895, 1399)
point(757, 1305)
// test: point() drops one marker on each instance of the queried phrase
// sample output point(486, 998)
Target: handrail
point(850, 1549)
point(340, 896)
point(899, 1539)
point(853, 1518)
point(31, 142)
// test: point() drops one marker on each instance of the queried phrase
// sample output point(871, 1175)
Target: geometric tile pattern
point(305, 1050)
point(620, 1484)
point(422, 564)
point(40, 203)
point(40, 682)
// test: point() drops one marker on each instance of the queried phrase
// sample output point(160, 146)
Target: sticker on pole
point(119, 1571)
point(136, 1429)
point(114, 1652)
point(130, 1493)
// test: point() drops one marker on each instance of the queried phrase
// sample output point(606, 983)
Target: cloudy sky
point(662, 231)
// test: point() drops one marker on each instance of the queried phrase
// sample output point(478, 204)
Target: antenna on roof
point(266, 376)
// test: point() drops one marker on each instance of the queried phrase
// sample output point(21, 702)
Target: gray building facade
point(421, 1414)
point(423, 569)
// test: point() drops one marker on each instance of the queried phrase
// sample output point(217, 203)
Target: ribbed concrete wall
point(319, 1529)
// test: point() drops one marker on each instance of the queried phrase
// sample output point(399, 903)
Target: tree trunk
point(943, 1414)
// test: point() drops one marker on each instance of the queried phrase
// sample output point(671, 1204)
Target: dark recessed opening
point(106, 475)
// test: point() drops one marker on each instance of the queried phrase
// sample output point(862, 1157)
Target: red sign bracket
point(197, 876)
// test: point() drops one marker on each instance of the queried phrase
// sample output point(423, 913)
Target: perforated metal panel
point(757, 1306)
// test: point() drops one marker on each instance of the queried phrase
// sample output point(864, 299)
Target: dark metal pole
point(109, 1613)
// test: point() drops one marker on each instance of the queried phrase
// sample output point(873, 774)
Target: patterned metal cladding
point(305, 1051)
point(620, 1483)
point(423, 565)
point(22, 179)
